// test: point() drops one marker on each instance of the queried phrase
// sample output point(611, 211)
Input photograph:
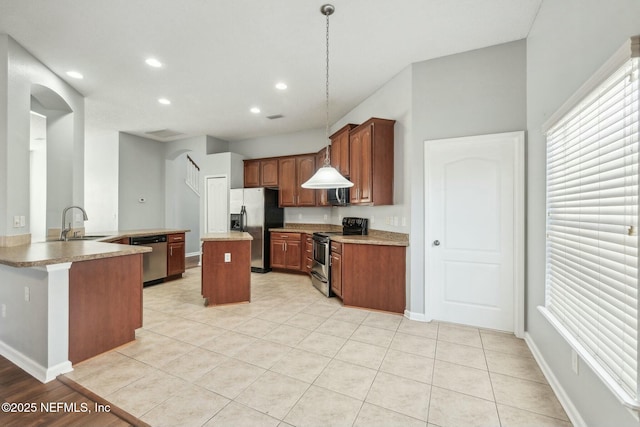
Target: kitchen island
point(63, 302)
point(226, 268)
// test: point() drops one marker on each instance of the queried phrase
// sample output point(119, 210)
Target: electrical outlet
point(27, 293)
point(387, 220)
point(395, 221)
point(227, 257)
point(299, 216)
point(23, 220)
point(16, 221)
point(574, 362)
point(404, 221)
point(4, 310)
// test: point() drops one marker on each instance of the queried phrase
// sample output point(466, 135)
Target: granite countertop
point(57, 252)
point(375, 237)
point(229, 236)
point(115, 235)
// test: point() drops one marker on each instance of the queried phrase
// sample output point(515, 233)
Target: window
point(592, 223)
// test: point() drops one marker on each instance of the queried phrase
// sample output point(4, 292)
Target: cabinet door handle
point(171, 251)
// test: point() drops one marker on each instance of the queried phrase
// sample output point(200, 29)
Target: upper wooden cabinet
point(292, 173)
point(321, 195)
point(261, 173)
point(371, 162)
point(340, 149)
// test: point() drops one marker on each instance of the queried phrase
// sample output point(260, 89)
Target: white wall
point(567, 44)
point(309, 141)
point(141, 174)
point(101, 181)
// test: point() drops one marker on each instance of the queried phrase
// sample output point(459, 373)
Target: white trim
point(419, 317)
point(193, 254)
point(32, 367)
point(630, 49)
point(587, 358)
point(519, 188)
point(566, 402)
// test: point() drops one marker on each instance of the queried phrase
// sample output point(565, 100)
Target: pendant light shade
point(327, 176)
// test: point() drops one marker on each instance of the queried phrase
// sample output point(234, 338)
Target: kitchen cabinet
point(261, 173)
point(175, 254)
point(121, 241)
point(226, 270)
point(336, 268)
point(293, 171)
point(286, 251)
point(371, 162)
point(373, 276)
point(340, 149)
point(321, 195)
point(307, 254)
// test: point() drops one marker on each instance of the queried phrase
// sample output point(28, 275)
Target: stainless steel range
point(321, 270)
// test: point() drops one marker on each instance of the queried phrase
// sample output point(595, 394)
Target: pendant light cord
point(326, 122)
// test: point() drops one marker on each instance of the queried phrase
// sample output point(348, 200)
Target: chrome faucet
point(64, 231)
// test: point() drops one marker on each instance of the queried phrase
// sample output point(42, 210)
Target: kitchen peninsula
point(62, 302)
point(226, 268)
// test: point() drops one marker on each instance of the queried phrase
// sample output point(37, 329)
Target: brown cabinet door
point(355, 140)
point(269, 174)
point(306, 167)
point(321, 195)
point(292, 255)
point(336, 273)
point(287, 177)
point(175, 258)
point(366, 160)
point(251, 173)
point(277, 254)
point(340, 150)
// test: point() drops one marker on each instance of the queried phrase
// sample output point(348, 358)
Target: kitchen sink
point(87, 237)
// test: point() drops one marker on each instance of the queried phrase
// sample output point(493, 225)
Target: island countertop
point(228, 236)
point(57, 252)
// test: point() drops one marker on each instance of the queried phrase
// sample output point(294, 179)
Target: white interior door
point(474, 195)
point(217, 204)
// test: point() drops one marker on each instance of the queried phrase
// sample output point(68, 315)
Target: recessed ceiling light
point(281, 86)
point(75, 74)
point(164, 101)
point(153, 62)
point(255, 110)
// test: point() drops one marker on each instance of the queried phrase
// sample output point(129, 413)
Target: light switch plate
point(227, 257)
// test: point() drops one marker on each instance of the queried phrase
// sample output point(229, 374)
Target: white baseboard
point(419, 317)
point(32, 367)
point(563, 397)
point(192, 254)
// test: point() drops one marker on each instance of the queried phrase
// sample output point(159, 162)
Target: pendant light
point(327, 176)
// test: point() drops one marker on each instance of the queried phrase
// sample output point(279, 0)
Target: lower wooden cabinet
point(286, 251)
point(307, 254)
point(175, 254)
point(226, 279)
point(336, 268)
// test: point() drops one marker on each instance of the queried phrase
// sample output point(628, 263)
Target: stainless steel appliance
point(338, 196)
point(255, 210)
point(154, 263)
point(321, 269)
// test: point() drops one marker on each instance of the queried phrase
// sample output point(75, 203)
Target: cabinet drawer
point(173, 238)
point(286, 236)
point(336, 247)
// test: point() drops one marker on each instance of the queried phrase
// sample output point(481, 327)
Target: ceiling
point(220, 58)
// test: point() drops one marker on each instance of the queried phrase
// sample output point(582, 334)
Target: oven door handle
point(318, 276)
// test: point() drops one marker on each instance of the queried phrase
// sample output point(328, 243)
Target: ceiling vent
point(275, 116)
point(164, 133)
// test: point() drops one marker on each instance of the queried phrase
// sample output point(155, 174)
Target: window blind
point(592, 223)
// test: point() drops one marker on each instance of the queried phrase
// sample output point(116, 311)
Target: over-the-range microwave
point(338, 196)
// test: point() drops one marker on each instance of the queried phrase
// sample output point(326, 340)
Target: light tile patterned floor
point(295, 358)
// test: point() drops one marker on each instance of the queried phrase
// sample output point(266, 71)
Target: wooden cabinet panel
point(336, 268)
point(226, 282)
point(121, 241)
point(340, 150)
point(175, 254)
point(269, 172)
point(321, 195)
point(371, 162)
point(286, 251)
point(292, 173)
point(287, 175)
point(306, 167)
point(307, 253)
point(251, 173)
point(373, 276)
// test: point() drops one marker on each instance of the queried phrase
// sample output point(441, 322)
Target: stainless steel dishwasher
point(154, 263)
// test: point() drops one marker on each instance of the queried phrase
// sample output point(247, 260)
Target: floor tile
point(375, 416)
point(513, 417)
point(383, 320)
point(229, 343)
point(423, 329)
point(461, 354)
point(306, 321)
point(273, 394)
point(514, 366)
point(301, 365)
point(256, 327)
point(263, 353)
point(505, 343)
point(407, 365)
point(319, 407)
point(339, 328)
point(321, 309)
point(348, 314)
point(287, 335)
point(346, 378)
point(528, 395)
point(451, 409)
point(363, 354)
point(230, 378)
point(236, 415)
point(458, 334)
point(471, 381)
point(414, 345)
point(107, 381)
point(325, 345)
point(376, 336)
point(401, 395)
point(194, 364)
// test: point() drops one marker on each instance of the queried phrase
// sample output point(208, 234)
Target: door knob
point(436, 243)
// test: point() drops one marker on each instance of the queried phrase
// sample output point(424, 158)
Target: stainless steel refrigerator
point(258, 211)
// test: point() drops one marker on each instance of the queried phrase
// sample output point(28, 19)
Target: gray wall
point(141, 174)
point(569, 41)
point(309, 141)
point(472, 93)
